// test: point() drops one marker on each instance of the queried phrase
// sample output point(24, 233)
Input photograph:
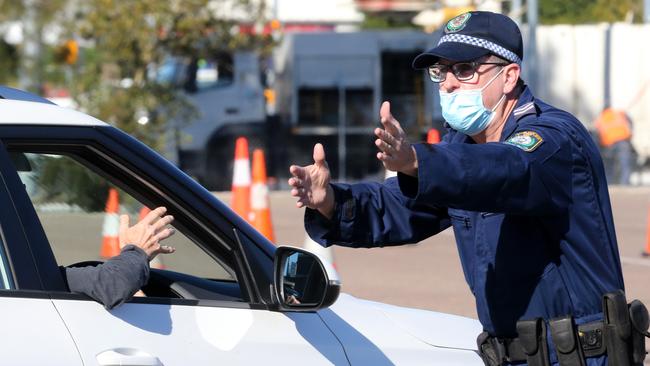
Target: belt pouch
point(567, 346)
point(639, 320)
point(490, 353)
point(532, 336)
point(617, 328)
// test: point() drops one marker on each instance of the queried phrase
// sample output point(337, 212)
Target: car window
point(71, 201)
point(6, 282)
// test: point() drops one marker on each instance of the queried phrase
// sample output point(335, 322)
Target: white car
point(226, 297)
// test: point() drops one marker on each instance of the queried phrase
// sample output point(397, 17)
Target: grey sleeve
point(114, 281)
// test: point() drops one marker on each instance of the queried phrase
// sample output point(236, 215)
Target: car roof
point(18, 111)
point(17, 106)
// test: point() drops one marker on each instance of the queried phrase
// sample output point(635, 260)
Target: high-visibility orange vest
point(613, 126)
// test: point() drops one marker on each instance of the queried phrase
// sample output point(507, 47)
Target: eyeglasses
point(463, 71)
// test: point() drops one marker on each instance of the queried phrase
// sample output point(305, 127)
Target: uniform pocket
point(462, 221)
point(464, 235)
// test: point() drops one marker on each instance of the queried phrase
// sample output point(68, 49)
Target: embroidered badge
point(525, 140)
point(457, 23)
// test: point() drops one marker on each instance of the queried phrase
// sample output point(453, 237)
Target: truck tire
point(220, 154)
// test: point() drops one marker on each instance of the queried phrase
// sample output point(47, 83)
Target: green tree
point(127, 40)
point(13, 57)
point(589, 11)
point(122, 42)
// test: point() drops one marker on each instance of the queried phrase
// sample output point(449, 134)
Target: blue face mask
point(464, 109)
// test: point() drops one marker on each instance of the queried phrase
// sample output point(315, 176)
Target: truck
point(316, 87)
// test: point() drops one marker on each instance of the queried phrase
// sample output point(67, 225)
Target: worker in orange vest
point(615, 132)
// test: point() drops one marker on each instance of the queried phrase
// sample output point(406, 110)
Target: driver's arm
point(114, 281)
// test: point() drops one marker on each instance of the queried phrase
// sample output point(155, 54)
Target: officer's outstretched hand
point(395, 151)
point(311, 184)
point(148, 233)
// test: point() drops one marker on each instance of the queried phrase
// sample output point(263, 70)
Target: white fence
point(572, 72)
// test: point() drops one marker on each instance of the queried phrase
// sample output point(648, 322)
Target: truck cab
point(328, 88)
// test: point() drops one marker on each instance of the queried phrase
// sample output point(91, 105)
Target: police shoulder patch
point(525, 140)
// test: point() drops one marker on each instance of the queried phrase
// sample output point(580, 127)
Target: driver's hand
point(148, 233)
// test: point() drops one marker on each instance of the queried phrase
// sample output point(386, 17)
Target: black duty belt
point(500, 350)
point(621, 334)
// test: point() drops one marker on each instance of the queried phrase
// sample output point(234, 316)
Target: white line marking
point(637, 261)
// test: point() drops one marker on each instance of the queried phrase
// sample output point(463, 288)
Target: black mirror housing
point(302, 281)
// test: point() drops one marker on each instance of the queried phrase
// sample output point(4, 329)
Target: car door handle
point(127, 357)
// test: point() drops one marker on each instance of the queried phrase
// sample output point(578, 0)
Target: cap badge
point(526, 140)
point(457, 23)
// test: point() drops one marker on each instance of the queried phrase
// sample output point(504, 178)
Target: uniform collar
point(525, 106)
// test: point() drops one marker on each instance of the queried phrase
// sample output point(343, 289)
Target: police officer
point(520, 181)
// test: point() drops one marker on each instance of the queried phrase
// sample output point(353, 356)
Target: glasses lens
point(437, 73)
point(464, 70)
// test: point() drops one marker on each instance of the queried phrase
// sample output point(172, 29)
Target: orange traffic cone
point(241, 180)
point(433, 136)
point(111, 228)
point(646, 252)
point(261, 213)
point(156, 262)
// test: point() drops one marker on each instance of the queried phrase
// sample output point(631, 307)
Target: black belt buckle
point(591, 336)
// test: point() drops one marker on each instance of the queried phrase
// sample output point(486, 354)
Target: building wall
point(572, 72)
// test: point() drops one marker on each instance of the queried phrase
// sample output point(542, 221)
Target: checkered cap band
point(483, 43)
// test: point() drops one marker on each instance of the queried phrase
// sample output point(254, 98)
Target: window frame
point(124, 162)
point(15, 236)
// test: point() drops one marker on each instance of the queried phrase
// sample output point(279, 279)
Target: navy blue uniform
point(531, 215)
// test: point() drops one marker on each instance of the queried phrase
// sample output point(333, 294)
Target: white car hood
point(433, 328)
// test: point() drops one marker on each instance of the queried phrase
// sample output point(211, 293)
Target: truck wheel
point(220, 160)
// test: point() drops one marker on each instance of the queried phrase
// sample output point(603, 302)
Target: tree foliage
point(127, 40)
point(121, 45)
point(61, 179)
point(589, 11)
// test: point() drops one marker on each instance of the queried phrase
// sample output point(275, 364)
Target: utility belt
point(620, 335)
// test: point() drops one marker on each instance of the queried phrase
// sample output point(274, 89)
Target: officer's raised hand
point(311, 184)
point(395, 151)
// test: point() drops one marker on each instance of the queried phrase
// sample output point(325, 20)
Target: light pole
point(29, 69)
point(515, 11)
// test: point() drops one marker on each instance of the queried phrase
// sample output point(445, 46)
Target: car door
point(188, 319)
point(33, 332)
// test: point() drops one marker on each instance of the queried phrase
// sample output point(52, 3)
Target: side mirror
point(302, 282)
